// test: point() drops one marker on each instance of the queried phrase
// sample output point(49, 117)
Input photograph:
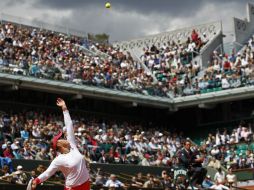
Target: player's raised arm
point(68, 122)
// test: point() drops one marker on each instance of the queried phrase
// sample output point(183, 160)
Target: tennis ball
point(107, 5)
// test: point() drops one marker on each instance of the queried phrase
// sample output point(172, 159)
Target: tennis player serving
point(69, 161)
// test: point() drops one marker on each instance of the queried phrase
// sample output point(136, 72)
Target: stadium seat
point(251, 146)
point(242, 147)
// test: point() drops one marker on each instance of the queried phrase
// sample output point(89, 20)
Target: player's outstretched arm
point(67, 121)
point(53, 167)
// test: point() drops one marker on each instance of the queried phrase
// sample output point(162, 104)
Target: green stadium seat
point(203, 91)
point(218, 84)
point(217, 89)
point(209, 90)
point(251, 146)
point(242, 147)
point(238, 152)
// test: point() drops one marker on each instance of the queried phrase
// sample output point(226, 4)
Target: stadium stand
point(50, 55)
point(27, 136)
point(44, 54)
point(171, 64)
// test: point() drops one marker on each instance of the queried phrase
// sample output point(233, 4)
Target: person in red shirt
point(226, 66)
point(194, 36)
point(8, 153)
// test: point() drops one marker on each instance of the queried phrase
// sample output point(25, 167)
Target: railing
point(207, 50)
point(90, 52)
point(244, 174)
point(123, 172)
point(100, 53)
point(137, 58)
point(210, 29)
point(130, 169)
point(42, 25)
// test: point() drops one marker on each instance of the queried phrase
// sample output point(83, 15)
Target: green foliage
point(100, 38)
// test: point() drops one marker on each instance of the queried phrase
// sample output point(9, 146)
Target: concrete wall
point(244, 29)
point(209, 48)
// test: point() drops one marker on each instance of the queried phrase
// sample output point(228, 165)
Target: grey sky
point(128, 19)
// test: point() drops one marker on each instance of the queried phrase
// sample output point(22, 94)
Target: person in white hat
point(69, 161)
point(20, 176)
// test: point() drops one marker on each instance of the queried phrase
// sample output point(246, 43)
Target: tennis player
point(69, 161)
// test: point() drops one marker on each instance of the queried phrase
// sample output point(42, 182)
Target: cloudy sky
point(128, 19)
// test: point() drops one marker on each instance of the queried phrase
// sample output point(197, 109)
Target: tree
point(100, 38)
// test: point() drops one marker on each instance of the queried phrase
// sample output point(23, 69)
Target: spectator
point(40, 169)
point(220, 177)
point(113, 182)
point(135, 183)
point(5, 171)
point(146, 160)
point(192, 162)
point(214, 163)
point(194, 36)
point(219, 186)
point(6, 161)
point(24, 134)
point(207, 183)
point(149, 183)
point(42, 155)
point(7, 152)
point(100, 180)
point(231, 178)
point(166, 181)
point(20, 176)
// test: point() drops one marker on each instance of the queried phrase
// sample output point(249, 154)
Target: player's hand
point(34, 184)
point(60, 102)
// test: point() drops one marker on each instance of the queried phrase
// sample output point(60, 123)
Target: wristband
point(37, 180)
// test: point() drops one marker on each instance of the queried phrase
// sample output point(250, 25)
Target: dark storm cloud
point(169, 7)
point(129, 19)
point(14, 2)
point(160, 14)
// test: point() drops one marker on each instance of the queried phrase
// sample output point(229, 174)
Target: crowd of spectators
point(45, 54)
point(50, 55)
point(231, 149)
point(27, 135)
point(172, 65)
point(229, 71)
point(101, 178)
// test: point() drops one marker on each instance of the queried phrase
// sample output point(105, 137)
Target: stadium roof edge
point(89, 91)
point(121, 96)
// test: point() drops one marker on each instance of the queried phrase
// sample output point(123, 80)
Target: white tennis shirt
point(72, 164)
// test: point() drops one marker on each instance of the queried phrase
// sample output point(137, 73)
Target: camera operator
point(192, 160)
